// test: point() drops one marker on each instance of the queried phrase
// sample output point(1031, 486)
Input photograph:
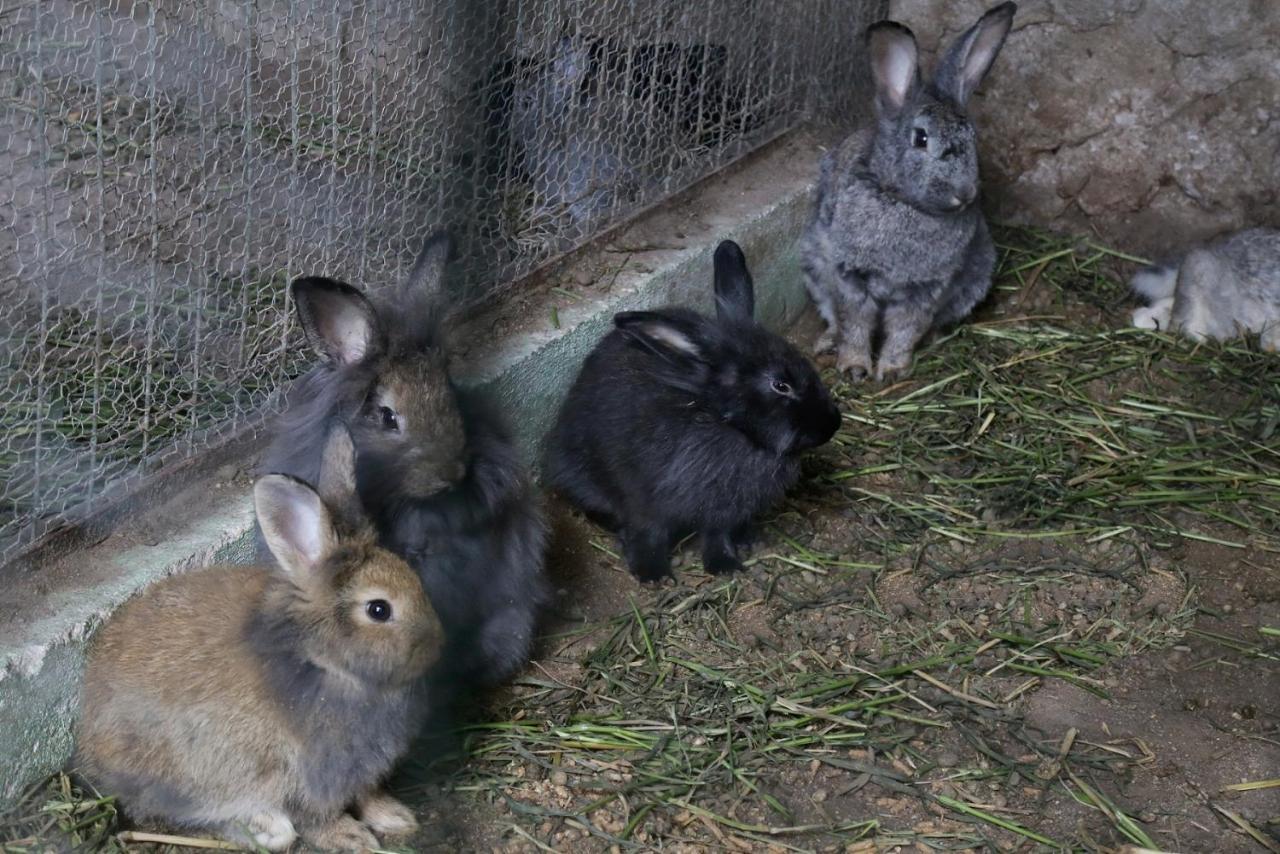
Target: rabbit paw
point(722, 564)
point(272, 831)
point(1155, 316)
point(650, 573)
point(744, 538)
point(856, 365)
point(385, 816)
point(342, 834)
point(825, 343)
point(647, 552)
point(893, 370)
point(720, 549)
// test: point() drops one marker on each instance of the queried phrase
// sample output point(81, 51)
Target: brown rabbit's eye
point(379, 610)
point(781, 387)
point(921, 138)
point(390, 421)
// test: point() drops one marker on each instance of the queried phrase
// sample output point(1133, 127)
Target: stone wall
point(1148, 122)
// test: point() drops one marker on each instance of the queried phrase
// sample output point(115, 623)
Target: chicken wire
point(167, 167)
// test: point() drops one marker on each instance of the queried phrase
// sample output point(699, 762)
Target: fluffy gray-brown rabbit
point(437, 470)
point(1226, 288)
point(897, 242)
point(260, 702)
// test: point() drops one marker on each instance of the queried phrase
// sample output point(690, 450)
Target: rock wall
point(1148, 122)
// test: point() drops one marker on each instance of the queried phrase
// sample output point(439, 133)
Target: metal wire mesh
point(166, 167)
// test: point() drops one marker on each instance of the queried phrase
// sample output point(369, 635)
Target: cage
point(167, 167)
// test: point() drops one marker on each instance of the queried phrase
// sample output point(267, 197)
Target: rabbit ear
point(427, 276)
point(970, 57)
point(659, 333)
point(337, 485)
point(894, 65)
point(421, 306)
point(681, 357)
point(337, 318)
point(571, 61)
point(295, 524)
point(735, 296)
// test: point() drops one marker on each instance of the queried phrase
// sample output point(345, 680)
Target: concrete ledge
point(524, 352)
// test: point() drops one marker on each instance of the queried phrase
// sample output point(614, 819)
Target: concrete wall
point(529, 349)
point(1149, 122)
point(41, 659)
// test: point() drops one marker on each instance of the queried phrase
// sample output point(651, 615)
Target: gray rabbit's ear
point(427, 276)
point(337, 486)
point(337, 318)
point(422, 304)
point(970, 57)
point(735, 295)
point(894, 65)
point(295, 523)
point(572, 61)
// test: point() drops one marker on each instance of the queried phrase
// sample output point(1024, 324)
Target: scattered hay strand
point(170, 839)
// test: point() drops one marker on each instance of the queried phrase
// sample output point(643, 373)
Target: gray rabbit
point(1226, 288)
point(574, 170)
point(897, 240)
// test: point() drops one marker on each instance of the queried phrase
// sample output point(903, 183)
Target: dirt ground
point(1159, 734)
point(1027, 599)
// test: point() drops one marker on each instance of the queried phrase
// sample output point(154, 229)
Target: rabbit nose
point(832, 422)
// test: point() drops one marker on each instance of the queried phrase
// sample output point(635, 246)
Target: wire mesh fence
point(167, 167)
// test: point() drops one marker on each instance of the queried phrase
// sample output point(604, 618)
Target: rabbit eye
point(782, 388)
point(390, 421)
point(378, 610)
point(921, 138)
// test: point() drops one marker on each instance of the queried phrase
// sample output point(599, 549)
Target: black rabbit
point(679, 422)
point(435, 468)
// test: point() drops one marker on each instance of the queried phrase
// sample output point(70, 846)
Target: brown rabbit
point(263, 703)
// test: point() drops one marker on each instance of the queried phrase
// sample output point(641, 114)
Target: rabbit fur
point(436, 468)
point(897, 244)
point(264, 702)
point(574, 169)
point(1224, 289)
point(679, 422)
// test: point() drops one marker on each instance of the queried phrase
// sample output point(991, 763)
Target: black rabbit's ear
point(735, 295)
point(894, 65)
point(295, 523)
point(337, 318)
point(970, 57)
point(661, 333)
point(681, 355)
